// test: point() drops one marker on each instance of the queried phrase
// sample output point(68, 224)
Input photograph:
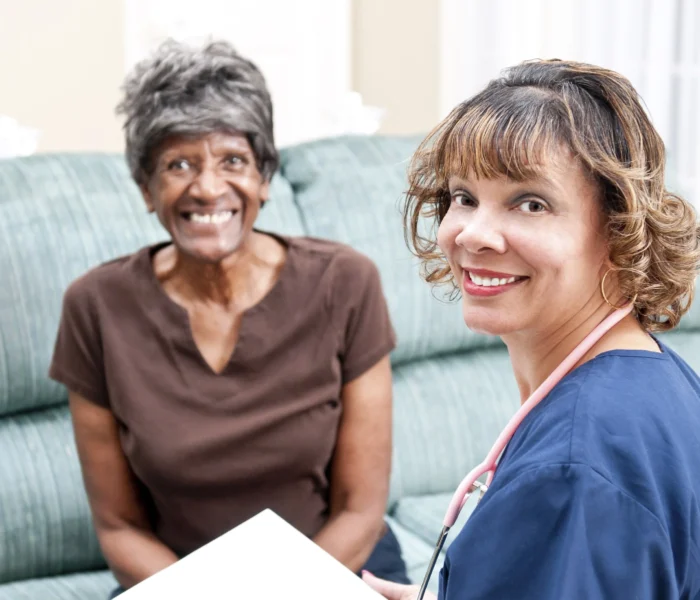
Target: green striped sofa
point(62, 214)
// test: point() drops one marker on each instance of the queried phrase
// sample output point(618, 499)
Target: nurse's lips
point(484, 283)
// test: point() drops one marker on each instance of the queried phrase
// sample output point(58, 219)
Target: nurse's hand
point(393, 591)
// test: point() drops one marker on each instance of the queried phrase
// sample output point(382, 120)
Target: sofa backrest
point(351, 189)
point(61, 215)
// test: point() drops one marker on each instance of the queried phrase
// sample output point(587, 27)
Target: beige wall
point(63, 62)
point(396, 61)
point(61, 67)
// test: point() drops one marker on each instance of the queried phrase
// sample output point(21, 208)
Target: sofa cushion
point(82, 586)
point(691, 320)
point(447, 413)
point(686, 344)
point(59, 216)
point(423, 516)
point(45, 524)
point(350, 190)
point(416, 554)
point(303, 164)
point(417, 522)
point(98, 585)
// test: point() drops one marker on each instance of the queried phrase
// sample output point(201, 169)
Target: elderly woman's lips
point(210, 217)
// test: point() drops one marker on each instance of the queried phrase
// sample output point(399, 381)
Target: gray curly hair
point(181, 90)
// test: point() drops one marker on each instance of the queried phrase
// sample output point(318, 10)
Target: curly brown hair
point(528, 113)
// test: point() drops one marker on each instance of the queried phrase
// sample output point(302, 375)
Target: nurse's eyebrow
point(455, 182)
point(540, 180)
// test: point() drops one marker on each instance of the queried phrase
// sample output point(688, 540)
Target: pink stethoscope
point(470, 484)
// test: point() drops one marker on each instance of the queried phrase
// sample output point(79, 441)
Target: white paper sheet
point(264, 558)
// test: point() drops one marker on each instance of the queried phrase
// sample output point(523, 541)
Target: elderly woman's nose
point(208, 185)
point(481, 230)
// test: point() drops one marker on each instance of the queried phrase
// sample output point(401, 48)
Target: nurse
point(548, 189)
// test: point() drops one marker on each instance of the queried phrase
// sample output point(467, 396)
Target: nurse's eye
point(462, 199)
point(530, 205)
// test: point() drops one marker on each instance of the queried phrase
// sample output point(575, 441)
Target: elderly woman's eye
point(236, 160)
point(179, 164)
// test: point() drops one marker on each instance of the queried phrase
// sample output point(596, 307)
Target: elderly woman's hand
point(393, 591)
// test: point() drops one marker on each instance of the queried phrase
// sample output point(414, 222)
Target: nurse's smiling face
point(526, 255)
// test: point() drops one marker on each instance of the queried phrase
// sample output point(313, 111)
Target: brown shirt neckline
point(177, 314)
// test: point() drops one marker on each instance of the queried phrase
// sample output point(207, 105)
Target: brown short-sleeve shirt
point(212, 450)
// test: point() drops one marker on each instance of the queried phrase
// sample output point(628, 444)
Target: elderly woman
point(227, 370)
point(548, 188)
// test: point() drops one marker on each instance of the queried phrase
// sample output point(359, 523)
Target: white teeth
point(488, 281)
point(221, 217)
point(215, 218)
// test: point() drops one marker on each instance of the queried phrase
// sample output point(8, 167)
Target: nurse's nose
point(481, 231)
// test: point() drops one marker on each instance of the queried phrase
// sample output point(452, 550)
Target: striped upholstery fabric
point(59, 216)
point(686, 344)
point(97, 585)
point(45, 525)
point(691, 320)
point(423, 515)
point(352, 192)
point(447, 413)
point(303, 164)
point(417, 523)
point(84, 586)
point(416, 553)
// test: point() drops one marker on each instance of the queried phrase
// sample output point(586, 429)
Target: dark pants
point(385, 561)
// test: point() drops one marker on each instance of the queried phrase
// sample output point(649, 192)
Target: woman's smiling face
point(207, 192)
point(526, 255)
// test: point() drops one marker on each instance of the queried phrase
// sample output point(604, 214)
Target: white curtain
point(655, 43)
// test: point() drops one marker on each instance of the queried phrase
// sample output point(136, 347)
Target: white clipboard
point(264, 558)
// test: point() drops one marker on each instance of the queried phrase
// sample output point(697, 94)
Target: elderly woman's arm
point(360, 469)
point(130, 547)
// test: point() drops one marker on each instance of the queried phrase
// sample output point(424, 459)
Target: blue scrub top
point(597, 494)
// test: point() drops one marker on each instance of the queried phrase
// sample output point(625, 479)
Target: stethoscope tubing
point(470, 483)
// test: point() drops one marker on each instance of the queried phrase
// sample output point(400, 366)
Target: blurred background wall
point(61, 64)
point(396, 61)
point(64, 60)
point(334, 66)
